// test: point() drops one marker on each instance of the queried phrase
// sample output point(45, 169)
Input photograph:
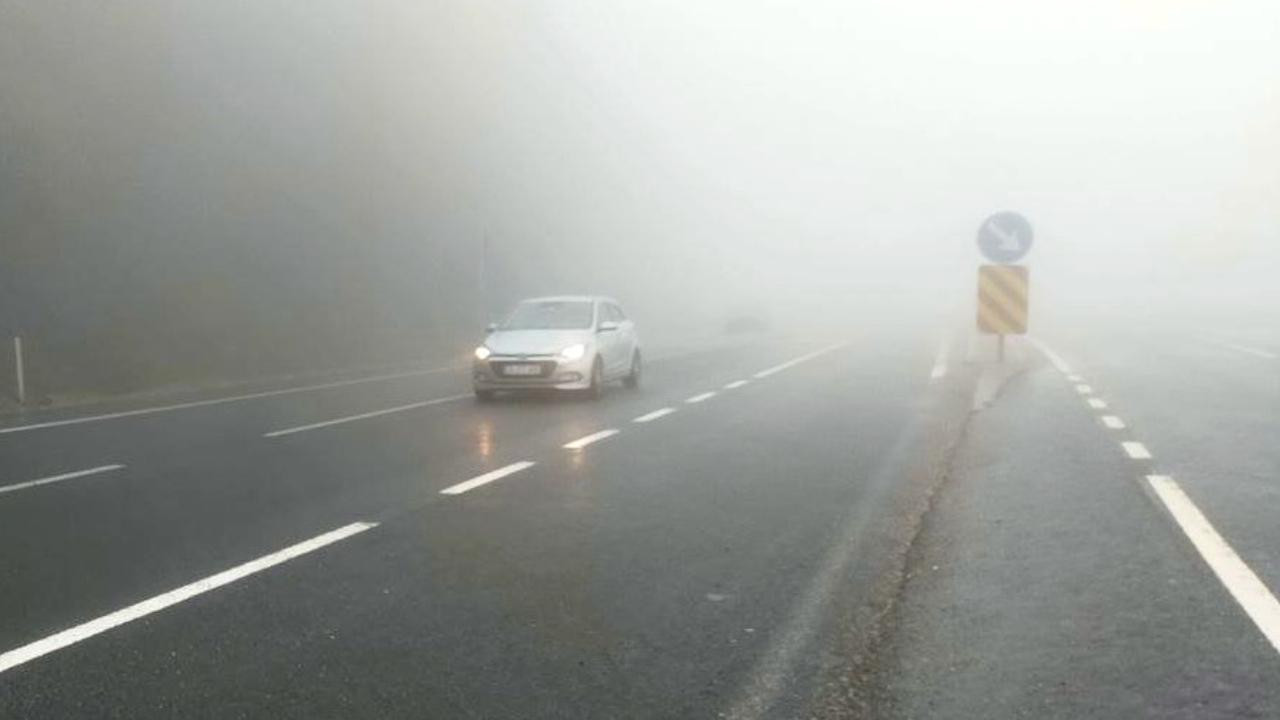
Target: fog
point(194, 190)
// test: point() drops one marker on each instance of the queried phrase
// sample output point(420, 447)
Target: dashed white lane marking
point(736, 384)
point(1254, 597)
point(700, 397)
point(1054, 358)
point(1249, 591)
point(1075, 378)
point(1084, 389)
point(796, 361)
point(486, 478)
point(1256, 352)
point(1136, 450)
point(58, 478)
point(1097, 404)
point(593, 437)
point(27, 653)
point(365, 416)
point(650, 417)
point(219, 401)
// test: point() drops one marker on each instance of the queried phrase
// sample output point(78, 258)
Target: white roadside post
point(17, 363)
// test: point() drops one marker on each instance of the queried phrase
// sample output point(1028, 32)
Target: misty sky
point(1130, 133)
point(322, 166)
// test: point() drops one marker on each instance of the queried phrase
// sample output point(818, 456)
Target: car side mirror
point(607, 326)
point(490, 328)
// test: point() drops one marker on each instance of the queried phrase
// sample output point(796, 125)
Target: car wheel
point(596, 390)
point(633, 378)
point(484, 395)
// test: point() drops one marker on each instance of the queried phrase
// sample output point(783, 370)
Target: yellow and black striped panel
point(1002, 299)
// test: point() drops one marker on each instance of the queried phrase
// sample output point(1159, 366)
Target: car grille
point(545, 368)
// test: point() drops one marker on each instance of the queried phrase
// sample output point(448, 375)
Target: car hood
point(534, 342)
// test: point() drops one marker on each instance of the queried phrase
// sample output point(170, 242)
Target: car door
point(606, 342)
point(627, 339)
point(624, 344)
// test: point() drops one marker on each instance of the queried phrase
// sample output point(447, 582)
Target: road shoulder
point(1044, 583)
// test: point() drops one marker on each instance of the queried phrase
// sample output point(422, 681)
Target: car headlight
point(483, 353)
point(574, 352)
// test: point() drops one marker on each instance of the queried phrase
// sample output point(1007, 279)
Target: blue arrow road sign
point(1005, 237)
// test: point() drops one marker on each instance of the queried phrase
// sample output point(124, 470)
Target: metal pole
point(22, 381)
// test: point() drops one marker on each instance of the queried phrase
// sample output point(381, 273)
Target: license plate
point(523, 370)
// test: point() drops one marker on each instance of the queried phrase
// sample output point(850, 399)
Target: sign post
point(1004, 288)
point(17, 363)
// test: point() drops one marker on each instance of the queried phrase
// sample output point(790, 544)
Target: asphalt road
point(715, 560)
point(1063, 571)
point(782, 528)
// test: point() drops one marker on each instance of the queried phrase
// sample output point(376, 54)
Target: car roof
point(571, 298)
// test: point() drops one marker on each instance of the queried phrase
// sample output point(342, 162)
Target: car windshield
point(550, 315)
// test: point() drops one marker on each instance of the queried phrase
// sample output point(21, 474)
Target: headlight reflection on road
point(575, 485)
point(579, 490)
point(484, 439)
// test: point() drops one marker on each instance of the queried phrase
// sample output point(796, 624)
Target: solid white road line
point(736, 384)
point(1136, 450)
point(649, 417)
point(58, 478)
point(796, 361)
point(1254, 597)
point(218, 401)
point(585, 441)
point(1054, 358)
point(486, 478)
point(365, 416)
point(1084, 389)
point(700, 397)
point(27, 653)
point(1097, 404)
point(1113, 422)
point(1256, 352)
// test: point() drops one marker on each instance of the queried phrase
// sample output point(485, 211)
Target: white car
point(571, 342)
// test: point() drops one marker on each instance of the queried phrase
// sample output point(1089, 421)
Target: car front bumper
point(557, 373)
